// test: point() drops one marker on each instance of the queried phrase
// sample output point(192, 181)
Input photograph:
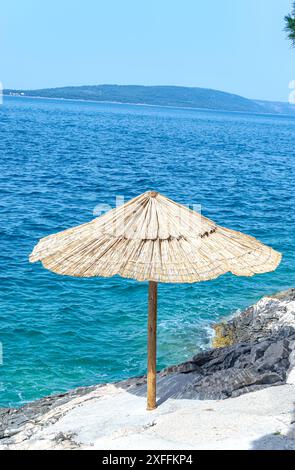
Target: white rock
point(116, 419)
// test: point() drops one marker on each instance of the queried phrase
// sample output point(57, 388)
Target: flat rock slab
point(113, 418)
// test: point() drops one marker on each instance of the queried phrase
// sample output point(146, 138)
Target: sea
point(64, 162)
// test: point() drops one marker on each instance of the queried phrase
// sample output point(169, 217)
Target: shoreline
point(242, 396)
point(217, 334)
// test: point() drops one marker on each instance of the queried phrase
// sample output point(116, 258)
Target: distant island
point(175, 96)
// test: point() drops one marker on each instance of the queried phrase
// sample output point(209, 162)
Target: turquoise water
point(59, 160)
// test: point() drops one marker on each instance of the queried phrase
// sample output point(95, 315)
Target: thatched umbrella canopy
point(152, 238)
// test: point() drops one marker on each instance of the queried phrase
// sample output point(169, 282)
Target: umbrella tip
point(153, 193)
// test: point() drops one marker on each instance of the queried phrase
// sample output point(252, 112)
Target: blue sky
point(232, 45)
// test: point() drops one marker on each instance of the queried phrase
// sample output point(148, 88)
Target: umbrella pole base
point(151, 409)
point(152, 347)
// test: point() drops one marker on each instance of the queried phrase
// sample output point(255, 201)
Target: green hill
point(159, 95)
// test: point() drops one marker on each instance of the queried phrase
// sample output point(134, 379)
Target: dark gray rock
point(234, 370)
point(266, 317)
point(286, 295)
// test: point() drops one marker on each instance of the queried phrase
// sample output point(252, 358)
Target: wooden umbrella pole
point(152, 346)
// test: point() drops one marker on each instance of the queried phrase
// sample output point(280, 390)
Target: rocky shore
point(247, 381)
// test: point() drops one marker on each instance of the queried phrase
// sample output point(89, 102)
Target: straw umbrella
point(152, 238)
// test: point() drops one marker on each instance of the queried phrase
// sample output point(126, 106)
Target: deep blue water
point(58, 161)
